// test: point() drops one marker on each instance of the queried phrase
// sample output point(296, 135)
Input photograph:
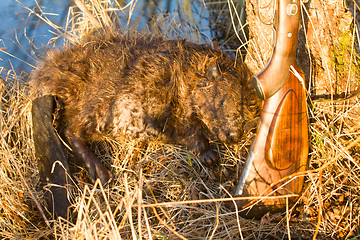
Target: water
point(23, 36)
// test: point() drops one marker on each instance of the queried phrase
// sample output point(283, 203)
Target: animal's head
point(224, 100)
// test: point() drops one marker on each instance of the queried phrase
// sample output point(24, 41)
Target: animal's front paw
point(209, 158)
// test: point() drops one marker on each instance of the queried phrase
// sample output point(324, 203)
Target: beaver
point(140, 86)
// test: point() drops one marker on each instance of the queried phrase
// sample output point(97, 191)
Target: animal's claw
point(208, 158)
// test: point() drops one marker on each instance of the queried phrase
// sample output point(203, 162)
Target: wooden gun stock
point(280, 148)
point(274, 75)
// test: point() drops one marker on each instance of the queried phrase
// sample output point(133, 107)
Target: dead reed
point(162, 191)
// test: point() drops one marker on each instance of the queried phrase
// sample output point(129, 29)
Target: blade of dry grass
point(181, 199)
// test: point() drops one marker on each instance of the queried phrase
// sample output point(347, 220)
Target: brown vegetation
point(163, 192)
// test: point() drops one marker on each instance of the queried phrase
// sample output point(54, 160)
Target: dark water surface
point(23, 36)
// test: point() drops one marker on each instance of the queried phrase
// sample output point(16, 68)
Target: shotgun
point(280, 148)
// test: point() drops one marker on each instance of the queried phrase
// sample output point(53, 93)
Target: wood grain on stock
point(287, 140)
point(280, 149)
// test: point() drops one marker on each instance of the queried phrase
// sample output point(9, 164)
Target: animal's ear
point(213, 72)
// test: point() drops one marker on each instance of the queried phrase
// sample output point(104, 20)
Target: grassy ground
point(162, 191)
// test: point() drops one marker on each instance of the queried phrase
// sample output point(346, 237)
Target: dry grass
point(147, 176)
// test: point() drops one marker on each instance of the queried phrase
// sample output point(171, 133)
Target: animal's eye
point(222, 102)
point(204, 84)
point(198, 75)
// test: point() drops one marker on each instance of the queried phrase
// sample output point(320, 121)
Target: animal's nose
point(234, 136)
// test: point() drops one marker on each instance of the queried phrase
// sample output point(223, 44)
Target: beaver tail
point(51, 158)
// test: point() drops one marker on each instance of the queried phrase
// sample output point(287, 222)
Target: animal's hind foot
point(96, 169)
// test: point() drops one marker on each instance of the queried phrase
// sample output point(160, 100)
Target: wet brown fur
point(146, 86)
